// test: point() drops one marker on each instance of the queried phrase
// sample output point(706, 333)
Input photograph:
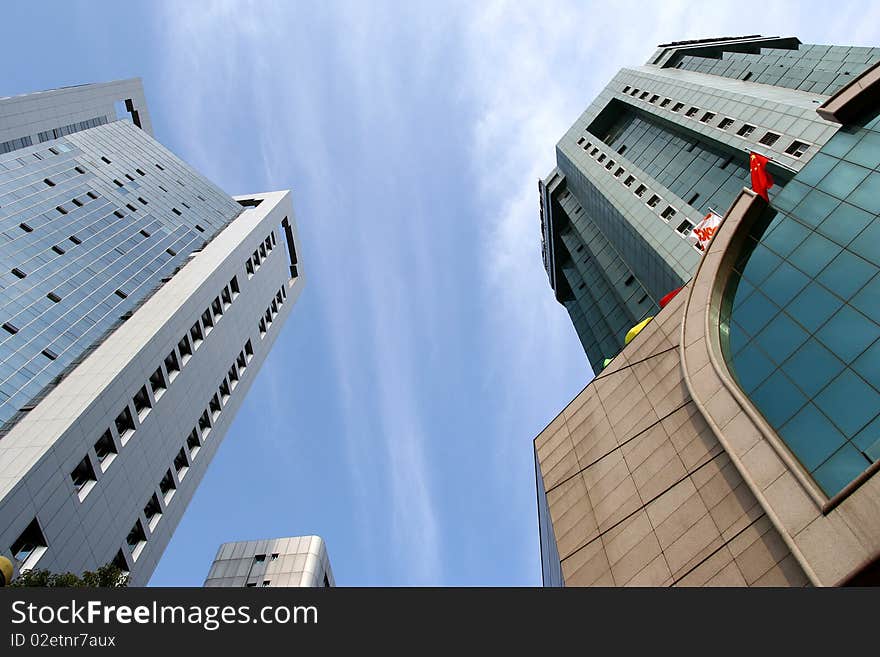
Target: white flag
point(702, 233)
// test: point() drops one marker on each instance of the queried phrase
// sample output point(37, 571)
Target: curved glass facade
point(801, 314)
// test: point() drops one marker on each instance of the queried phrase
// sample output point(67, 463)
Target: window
point(747, 76)
point(225, 297)
point(677, 107)
point(177, 212)
point(204, 425)
point(694, 198)
point(249, 267)
point(117, 182)
point(274, 556)
point(214, 407)
point(181, 465)
point(77, 203)
point(157, 384)
point(185, 349)
point(216, 308)
point(600, 158)
point(124, 425)
point(261, 325)
point(248, 350)
point(233, 285)
point(142, 200)
point(193, 444)
point(594, 152)
point(144, 233)
point(265, 582)
point(105, 160)
point(653, 201)
point(640, 191)
point(171, 252)
point(684, 228)
point(25, 227)
point(105, 450)
point(83, 477)
point(643, 95)
point(142, 403)
point(797, 148)
point(667, 213)
point(629, 181)
point(250, 584)
point(29, 546)
point(160, 167)
point(53, 297)
point(195, 333)
point(171, 366)
point(725, 123)
point(121, 294)
point(581, 141)
point(224, 391)
point(207, 321)
point(199, 228)
point(746, 130)
point(75, 239)
point(57, 249)
point(634, 92)
point(609, 165)
point(629, 280)
point(260, 558)
point(131, 207)
point(153, 512)
point(692, 111)
point(241, 361)
point(136, 540)
point(233, 377)
point(708, 116)
point(19, 273)
point(586, 147)
point(665, 102)
point(120, 562)
point(10, 328)
point(769, 139)
point(626, 89)
point(654, 98)
point(48, 182)
point(621, 149)
point(48, 353)
point(92, 195)
point(167, 487)
point(140, 173)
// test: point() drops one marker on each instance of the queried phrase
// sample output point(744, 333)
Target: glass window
point(811, 436)
point(849, 401)
point(846, 274)
point(844, 223)
point(848, 333)
point(812, 367)
point(778, 399)
point(843, 179)
point(845, 465)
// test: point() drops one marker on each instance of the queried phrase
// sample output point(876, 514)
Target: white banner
point(702, 233)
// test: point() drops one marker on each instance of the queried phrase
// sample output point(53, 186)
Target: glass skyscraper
point(735, 440)
point(137, 299)
point(661, 146)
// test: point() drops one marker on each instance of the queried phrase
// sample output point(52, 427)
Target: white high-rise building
point(137, 302)
point(274, 562)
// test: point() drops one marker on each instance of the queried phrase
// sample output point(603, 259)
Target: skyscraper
point(661, 146)
point(138, 301)
point(277, 562)
point(736, 439)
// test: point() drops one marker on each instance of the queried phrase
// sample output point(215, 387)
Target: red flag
point(761, 180)
point(662, 303)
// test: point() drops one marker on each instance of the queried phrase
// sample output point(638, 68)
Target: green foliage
point(107, 576)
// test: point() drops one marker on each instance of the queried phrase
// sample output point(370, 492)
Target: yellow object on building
point(635, 330)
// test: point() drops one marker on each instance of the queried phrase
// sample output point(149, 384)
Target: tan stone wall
point(639, 489)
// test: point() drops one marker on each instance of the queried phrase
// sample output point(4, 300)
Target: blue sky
point(396, 413)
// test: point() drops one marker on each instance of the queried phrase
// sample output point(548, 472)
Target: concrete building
point(295, 561)
point(662, 145)
point(137, 302)
point(736, 440)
